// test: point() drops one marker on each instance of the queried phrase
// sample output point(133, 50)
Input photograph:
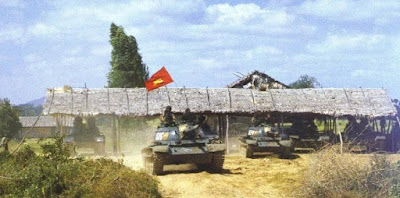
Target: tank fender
point(161, 149)
point(147, 152)
point(285, 143)
point(252, 142)
point(215, 147)
point(380, 137)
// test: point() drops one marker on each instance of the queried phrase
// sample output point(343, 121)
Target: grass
point(350, 175)
point(51, 173)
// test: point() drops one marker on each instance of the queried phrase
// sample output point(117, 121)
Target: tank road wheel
point(293, 144)
point(285, 153)
point(249, 151)
point(158, 164)
point(202, 167)
point(217, 162)
point(242, 149)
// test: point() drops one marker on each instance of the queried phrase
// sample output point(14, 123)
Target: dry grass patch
point(332, 174)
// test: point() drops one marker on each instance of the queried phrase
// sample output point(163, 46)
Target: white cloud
point(12, 33)
point(208, 63)
point(30, 58)
point(352, 10)
point(101, 50)
point(347, 42)
point(263, 52)
point(41, 29)
point(12, 3)
point(362, 73)
point(247, 14)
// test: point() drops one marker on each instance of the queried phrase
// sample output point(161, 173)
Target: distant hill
point(37, 102)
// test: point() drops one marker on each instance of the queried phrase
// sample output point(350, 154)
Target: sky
point(342, 43)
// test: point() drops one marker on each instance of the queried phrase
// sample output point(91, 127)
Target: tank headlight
point(99, 139)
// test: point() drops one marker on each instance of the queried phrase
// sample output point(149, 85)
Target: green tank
point(265, 139)
point(85, 136)
point(195, 146)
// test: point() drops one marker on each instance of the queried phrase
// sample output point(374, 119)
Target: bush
point(54, 174)
point(332, 174)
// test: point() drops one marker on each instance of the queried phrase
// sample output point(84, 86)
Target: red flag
point(158, 79)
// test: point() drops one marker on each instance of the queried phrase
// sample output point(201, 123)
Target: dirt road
point(265, 176)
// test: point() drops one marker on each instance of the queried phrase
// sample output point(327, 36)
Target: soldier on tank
point(168, 119)
point(78, 126)
point(188, 117)
point(259, 119)
point(91, 126)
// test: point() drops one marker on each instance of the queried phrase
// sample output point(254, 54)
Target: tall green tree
point(305, 81)
point(127, 67)
point(9, 121)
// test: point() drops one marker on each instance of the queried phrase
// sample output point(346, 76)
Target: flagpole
point(169, 99)
point(184, 92)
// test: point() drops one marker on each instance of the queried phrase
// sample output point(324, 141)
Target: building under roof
point(139, 102)
point(257, 80)
point(45, 126)
point(44, 121)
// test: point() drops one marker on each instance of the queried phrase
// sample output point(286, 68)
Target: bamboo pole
point(340, 135)
point(114, 135)
point(119, 135)
point(227, 134)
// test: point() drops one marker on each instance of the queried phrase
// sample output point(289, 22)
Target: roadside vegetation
point(54, 174)
point(332, 174)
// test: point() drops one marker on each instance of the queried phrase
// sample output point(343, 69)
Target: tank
point(175, 145)
point(85, 140)
point(309, 140)
point(265, 138)
point(85, 134)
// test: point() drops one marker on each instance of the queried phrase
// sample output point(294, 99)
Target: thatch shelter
point(138, 102)
point(219, 102)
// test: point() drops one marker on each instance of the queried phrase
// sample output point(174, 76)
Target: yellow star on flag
point(158, 81)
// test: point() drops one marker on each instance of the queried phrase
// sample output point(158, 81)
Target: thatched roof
point(239, 83)
point(139, 102)
point(44, 121)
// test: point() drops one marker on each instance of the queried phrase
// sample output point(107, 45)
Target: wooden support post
point(227, 134)
point(220, 127)
point(340, 135)
point(114, 135)
point(119, 136)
